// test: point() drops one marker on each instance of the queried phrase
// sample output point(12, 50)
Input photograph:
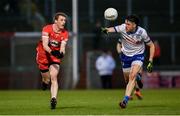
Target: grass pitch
point(89, 102)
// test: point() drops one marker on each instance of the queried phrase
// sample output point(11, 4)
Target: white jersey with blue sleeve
point(133, 43)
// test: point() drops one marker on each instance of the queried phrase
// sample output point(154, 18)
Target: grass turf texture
point(89, 102)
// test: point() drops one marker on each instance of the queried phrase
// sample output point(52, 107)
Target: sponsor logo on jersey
point(54, 43)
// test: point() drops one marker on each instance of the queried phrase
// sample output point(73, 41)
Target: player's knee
point(53, 79)
point(131, 76)
point(126, 81)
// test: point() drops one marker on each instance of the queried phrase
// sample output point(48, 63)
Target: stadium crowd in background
point(50, 51)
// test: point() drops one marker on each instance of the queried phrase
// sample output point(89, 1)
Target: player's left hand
point(61, 55)
point(57, 54)
point(150, 66)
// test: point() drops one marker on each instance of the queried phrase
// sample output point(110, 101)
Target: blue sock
point(138, 77)
point(126, 98)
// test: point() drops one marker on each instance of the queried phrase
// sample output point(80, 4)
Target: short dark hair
point(59, 14)
point(133, 18)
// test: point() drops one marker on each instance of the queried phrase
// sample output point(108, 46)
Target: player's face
point(60, 22)
point(130, 26)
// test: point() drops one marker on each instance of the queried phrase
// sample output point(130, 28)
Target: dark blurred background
point(22, 20)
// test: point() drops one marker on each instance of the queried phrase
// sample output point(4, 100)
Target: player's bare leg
point(131, 84)
point(54, 70)
point(139, 85)
point(45, 79)
point(138, 94)
point(132, 79)
point(139, 79)
point(126, 78)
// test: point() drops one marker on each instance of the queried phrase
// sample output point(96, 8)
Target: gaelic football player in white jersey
point(131, 49)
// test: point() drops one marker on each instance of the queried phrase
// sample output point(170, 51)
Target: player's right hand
point(104, 30)
point(57, 54)
point(150, 66)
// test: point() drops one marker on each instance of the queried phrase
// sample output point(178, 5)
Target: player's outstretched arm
point(107, 30)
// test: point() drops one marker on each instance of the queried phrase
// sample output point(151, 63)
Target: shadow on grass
point(71, 107)
point(150, 106)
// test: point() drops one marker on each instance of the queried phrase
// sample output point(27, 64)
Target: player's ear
point(55, 21)
point(134, 25)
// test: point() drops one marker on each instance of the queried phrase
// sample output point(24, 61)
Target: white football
point(110, 14)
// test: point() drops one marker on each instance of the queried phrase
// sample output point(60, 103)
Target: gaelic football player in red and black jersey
point(50, 51)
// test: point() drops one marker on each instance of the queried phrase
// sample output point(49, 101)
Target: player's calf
point(45, 83)
point(45, 86)
point(139, 80)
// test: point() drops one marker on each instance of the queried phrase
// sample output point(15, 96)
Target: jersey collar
point(133, 31)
